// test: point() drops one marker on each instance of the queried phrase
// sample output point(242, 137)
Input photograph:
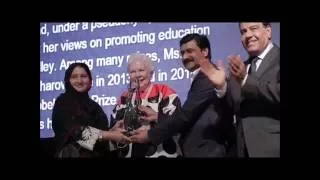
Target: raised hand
point(215, 73)
point(237, 67)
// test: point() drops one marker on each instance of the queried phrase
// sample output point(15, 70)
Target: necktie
point(253, 66)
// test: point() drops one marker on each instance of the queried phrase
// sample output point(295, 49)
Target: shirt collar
point(265, 52)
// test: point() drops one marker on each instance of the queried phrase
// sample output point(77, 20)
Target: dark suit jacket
point(258, 111)
point(204, 123)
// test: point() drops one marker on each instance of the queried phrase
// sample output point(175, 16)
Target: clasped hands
point(139, 135)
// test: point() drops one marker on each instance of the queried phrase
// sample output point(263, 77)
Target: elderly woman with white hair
point(152, 100)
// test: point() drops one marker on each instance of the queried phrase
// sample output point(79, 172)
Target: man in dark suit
point(257, 92)
point(205, 121)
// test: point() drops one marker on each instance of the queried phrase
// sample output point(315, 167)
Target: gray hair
point(143, 58)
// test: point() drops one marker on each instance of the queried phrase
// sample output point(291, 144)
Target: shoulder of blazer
point(201, 79)
point(275, 51)
point(273, 54)
point(196, 79)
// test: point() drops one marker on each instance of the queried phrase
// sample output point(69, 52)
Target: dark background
point(47, 147)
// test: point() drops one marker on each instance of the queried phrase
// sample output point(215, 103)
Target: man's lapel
point(268, 61)
point(195, 80)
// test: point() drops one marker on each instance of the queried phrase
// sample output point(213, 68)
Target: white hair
point(142, 58)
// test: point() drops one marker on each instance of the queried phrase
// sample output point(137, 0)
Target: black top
point(204, 122)
point(72, 112)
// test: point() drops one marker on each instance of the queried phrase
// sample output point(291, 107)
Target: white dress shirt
point(258, 62)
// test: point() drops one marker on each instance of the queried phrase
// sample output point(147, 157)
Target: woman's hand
point(116, 136)
point(118, 126)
